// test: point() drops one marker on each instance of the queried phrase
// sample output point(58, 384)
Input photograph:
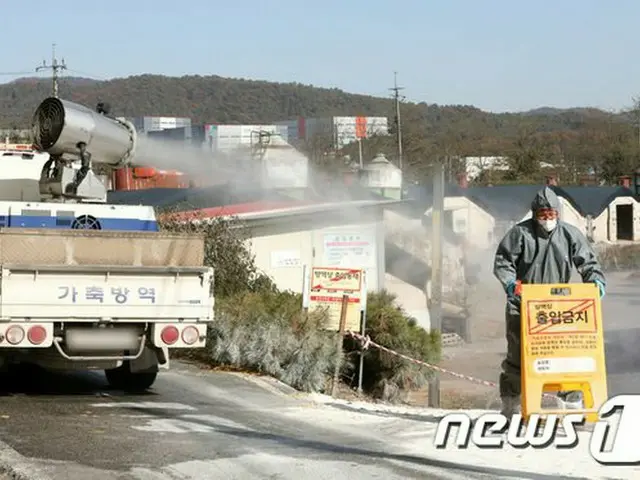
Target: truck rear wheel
point(122, 378)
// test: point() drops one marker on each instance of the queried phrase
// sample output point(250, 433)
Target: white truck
point(87, 298)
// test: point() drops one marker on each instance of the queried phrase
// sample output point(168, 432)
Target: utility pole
point(437, 241)
point(396, 93)
point(55, 67)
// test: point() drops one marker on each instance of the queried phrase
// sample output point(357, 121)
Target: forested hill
point(214, 99)
point(581, 139)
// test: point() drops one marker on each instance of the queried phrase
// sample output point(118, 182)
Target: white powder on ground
point(411, 430)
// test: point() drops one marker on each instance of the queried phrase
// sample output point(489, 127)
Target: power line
point(90, 76)
point(55, 67)
point(396, 91)
point(14, 73)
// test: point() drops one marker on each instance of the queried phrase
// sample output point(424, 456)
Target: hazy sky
point(496, 54)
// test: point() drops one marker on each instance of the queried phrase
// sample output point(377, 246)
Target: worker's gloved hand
point(513, 289)
point(600, 286)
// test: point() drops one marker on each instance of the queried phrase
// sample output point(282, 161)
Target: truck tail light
point(190, 335)
point(14, 334)
point(37, 334)
point(170, 335)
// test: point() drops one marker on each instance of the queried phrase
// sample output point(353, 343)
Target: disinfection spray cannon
point(75, 137)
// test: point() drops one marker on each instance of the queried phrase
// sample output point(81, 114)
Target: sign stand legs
point(340, 343)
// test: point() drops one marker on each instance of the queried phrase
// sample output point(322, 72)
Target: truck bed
point(20, 246)
point(94, 275)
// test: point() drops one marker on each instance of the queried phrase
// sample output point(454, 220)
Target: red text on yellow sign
point(561, 316)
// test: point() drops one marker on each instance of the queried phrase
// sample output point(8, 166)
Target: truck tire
point(122, 378)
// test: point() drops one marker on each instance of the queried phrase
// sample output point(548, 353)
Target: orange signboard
point(361, 127)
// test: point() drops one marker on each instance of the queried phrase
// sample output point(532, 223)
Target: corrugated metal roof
point(593, 200)
point(265, 211)
point(227, 195)
point(512, 202)
point(183, 199)
point(504, 202)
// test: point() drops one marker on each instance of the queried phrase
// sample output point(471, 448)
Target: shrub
point(387, 376)
point(269, 333)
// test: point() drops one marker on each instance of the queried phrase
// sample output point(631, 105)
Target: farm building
point(288, 234)
point(480, 215)
point(604, 213)
point(611, 214)
point(483, 214)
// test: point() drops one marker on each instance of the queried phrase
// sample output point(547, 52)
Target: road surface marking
point(146, 405)
point(189, 424)
point(171, 425)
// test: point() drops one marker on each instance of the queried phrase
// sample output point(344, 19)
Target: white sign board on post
point(349, 250)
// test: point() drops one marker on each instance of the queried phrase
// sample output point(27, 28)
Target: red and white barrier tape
point(365, 342)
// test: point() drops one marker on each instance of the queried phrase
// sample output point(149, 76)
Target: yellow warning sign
point(562, 345)
point(328, 285)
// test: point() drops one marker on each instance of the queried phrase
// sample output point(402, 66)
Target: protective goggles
point(546, 214)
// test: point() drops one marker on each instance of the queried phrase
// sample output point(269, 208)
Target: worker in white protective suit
point(542, 249)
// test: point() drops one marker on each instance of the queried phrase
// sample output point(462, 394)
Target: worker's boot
point(510, 407)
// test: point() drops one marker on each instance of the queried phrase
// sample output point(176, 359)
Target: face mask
point(548, 225)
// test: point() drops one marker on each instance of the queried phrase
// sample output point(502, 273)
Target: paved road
point(621, 317)
point(194, 425)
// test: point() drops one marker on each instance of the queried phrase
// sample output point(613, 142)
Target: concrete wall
point(413, 237)
point(469, 220)
point(283, 246)
point(402, 276)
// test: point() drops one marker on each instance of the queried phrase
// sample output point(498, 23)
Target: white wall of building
point(262, 150)
point(283, 166)
point(228, 137)
point(20, 175)
point(381, 173)
point(282, 255)
point(382, 177)
point(469, 220)
point(283, 247)
point(153, 123)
